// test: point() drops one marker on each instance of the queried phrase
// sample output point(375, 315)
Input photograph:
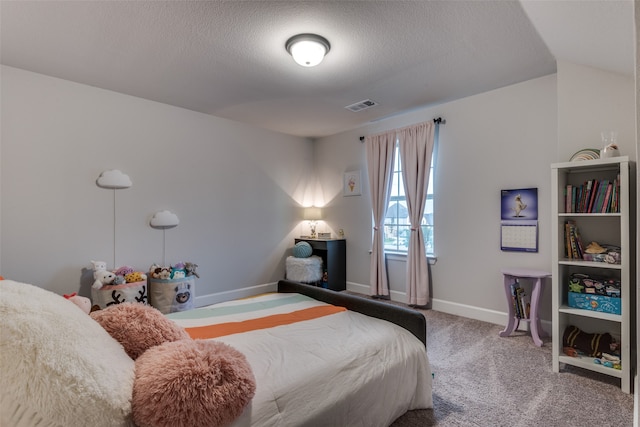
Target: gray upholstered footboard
point(411, 320)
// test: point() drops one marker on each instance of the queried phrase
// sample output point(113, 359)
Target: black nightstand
point(334, 260)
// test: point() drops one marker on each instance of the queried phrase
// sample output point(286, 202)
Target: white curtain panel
point(380, 151)
point(416, 145)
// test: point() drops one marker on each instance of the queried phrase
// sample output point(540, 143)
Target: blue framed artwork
point(519, 220)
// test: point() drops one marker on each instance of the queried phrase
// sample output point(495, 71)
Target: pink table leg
point(513, 275)
point(536, 327)
point(512, 322)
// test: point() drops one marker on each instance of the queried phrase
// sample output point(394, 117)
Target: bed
point(347, 361)
point(322, 358)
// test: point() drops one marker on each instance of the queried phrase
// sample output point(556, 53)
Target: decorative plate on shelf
point(586, 154)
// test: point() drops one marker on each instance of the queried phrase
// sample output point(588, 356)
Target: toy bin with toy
point(109, 295)
point(172, 289)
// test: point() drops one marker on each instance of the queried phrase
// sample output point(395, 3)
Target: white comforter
point(341, 369)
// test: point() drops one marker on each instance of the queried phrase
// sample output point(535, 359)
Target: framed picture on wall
point(351, 185)
point(519, 220)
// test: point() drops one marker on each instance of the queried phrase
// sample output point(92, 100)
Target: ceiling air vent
point(362, 105)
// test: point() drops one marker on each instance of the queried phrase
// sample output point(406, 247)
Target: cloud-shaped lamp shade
point(164, 220)
point(114, 179)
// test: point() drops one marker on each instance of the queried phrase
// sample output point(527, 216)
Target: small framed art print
point(351, 184)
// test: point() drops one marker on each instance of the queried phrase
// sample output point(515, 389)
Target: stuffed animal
point(163, 273)
point(103, 277)
point(135, 276)
point(592, 345)
point(124, 270)
point(178, 274)
point(190, 268)
point(98, 266)
point(119, 280)
point(83, 303)
point(158, 272)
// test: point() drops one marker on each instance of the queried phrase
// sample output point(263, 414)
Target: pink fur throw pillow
point(191, 383)
point(138, 327)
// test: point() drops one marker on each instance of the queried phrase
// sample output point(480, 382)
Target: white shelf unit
point(604, 228)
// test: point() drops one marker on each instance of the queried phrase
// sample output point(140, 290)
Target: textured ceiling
point(227, 58)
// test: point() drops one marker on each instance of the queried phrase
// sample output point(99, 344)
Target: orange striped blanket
point(245, 315)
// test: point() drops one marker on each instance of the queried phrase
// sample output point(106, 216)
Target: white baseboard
point(463, 310)
point(209, 299)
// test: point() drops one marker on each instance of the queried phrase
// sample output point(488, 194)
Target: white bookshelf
point(604, 228)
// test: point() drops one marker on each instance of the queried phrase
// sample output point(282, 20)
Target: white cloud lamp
point(308, 50)
point(163, 220)
point(114, 179)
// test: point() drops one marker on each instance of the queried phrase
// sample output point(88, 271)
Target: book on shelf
point(573, 241)
point(521, 301)
point(593, 196)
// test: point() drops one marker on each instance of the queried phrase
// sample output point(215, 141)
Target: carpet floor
point(483, 380)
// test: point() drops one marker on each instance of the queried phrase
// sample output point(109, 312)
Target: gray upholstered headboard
point(411, 320)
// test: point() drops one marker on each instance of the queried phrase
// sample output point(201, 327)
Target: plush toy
point(158, 272)
point(119, 280)
point(98, 266)
point(103, 277)
point(135, 276)
point(209, 382)
point(190, 268)
point(83, 303)
point(178, 274)
point(592, 345)
point(124, 270)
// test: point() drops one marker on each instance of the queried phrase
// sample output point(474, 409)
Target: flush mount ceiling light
point(308, 50)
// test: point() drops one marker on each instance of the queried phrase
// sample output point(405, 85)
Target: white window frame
point(397, 226)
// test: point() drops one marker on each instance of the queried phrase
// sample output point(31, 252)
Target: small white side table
point(514, 274)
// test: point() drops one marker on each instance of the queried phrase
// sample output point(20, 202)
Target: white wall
point(236, 189)
point(503, 139)
point(590, 101)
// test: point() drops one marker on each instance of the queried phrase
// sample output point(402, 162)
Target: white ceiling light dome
point(308, 50)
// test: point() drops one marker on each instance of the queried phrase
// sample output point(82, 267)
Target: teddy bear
point(103, 277)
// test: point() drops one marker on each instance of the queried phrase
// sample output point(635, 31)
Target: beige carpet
point(484, 380)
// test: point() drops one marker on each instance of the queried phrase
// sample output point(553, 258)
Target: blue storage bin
point(594, 302)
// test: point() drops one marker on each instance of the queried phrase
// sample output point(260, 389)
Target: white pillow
point(58, 367)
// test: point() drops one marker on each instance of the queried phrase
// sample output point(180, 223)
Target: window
point(396, 224)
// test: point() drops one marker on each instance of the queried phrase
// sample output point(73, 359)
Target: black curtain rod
point(437, 120)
